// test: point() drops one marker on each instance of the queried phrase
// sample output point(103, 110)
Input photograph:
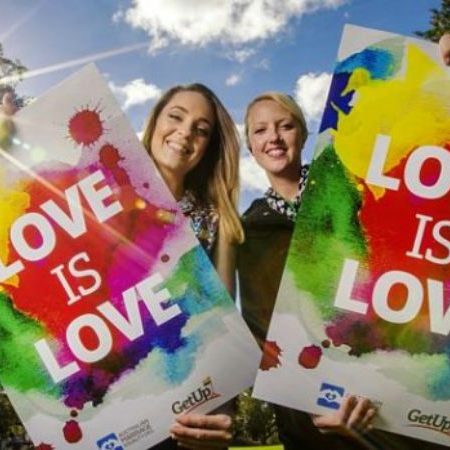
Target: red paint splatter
point(326, 343)
point(72, 432)
point(165, 257)
point(271, 354)
point(43, 446)
point(86, 127)
point(110, 158)
point(309, 357)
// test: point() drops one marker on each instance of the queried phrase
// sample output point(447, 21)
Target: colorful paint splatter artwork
point(110, 311)
point(365, 295)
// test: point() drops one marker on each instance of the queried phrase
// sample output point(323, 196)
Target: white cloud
point(233, 79)
point(263, 64)
point(311, 93)
point(241, 55)
point(252, 177)
point(201, 22)
point(136, 92)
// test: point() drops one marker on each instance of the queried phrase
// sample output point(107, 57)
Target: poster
point(112, 319)
point(363, 306)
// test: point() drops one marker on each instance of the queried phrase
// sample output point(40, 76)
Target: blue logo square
point(330, 396)
point(110, 442)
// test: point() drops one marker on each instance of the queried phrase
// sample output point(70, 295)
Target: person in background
point(444, 47)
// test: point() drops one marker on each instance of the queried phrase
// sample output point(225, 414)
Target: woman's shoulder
point(204, 219)
point(260, 216)
point(191, 203)
point(258, 206)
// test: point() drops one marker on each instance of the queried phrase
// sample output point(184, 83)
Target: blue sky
point(239, 48)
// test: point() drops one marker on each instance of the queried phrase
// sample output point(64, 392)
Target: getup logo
point(434, 422)
point(201, 395)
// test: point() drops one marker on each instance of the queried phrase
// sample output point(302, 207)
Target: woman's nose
point(185, 130)
point(274, 135)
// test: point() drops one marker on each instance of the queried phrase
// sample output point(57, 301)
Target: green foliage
point(439, 22)
point(9, 68)
point(9, 421)
point(254, 422)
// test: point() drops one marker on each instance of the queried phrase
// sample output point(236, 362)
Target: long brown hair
point(215, 179)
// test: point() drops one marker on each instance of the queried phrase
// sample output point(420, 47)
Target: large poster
point(363, 306)
point(112, 319)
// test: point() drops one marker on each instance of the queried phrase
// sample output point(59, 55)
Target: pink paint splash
point(309, 357)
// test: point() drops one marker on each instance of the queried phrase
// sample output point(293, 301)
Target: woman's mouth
point(178, 148)
point(276, 152)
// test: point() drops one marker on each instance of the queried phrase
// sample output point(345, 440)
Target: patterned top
point(285, 207)
point(204, 219)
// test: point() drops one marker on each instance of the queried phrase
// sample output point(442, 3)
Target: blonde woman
point(276, 132)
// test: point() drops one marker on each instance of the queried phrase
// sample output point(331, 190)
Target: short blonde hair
point(286, 102)
point(215, 179)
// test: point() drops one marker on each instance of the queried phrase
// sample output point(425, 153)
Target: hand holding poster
point(113, 320)
point(363, 304)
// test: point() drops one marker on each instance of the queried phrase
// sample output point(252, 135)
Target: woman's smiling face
point(182, 133)
point(274, 137)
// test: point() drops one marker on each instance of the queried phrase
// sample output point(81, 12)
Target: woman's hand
point(7, 109)
point(353, 417)
point(199, 431)
point(444, 47)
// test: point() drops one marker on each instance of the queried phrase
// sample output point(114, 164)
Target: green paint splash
point(327, 231)
point(20, 365)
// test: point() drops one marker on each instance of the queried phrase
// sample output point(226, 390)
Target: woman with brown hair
point(194, 144)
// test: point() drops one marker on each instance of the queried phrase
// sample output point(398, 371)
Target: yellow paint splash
point(413, 109)
point(13, 203)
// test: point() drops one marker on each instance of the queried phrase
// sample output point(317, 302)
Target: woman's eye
point(202, 132)
point(287, 126)
point(175, 117)
point(259, 130)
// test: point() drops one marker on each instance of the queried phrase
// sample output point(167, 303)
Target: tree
point(439, 22)
point(254, 422)
point(8, 68)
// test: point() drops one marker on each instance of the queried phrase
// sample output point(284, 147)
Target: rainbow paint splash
point(343, 216)
point(365, 297)
point(89, 301)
